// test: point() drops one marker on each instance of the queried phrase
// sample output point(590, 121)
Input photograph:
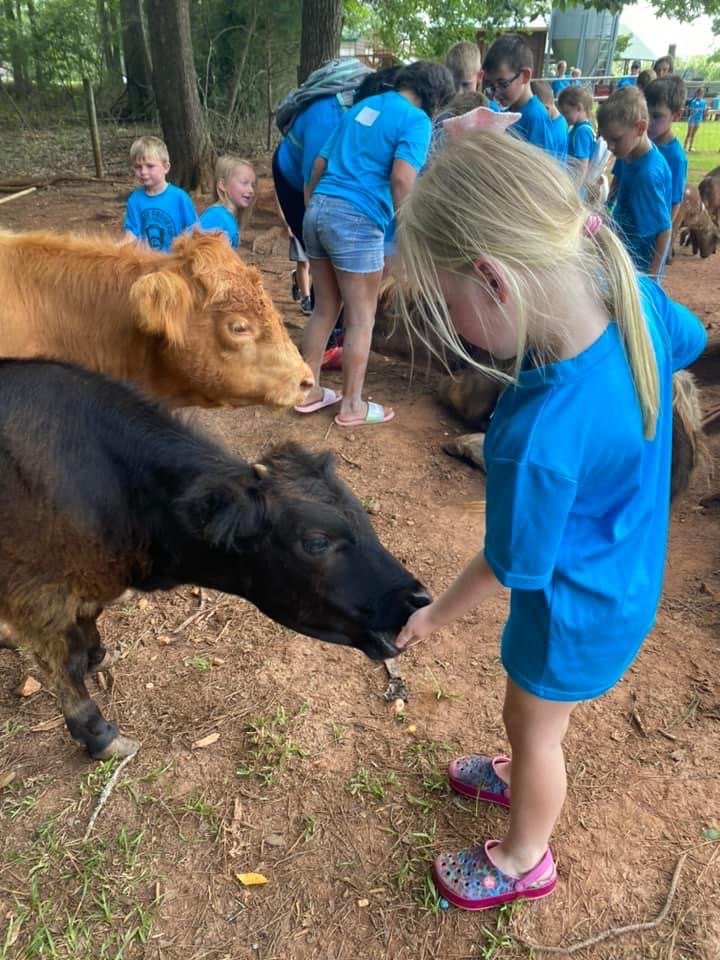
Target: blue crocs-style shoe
point(475, 776)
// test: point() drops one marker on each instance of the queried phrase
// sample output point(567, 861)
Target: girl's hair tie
point(593, 224)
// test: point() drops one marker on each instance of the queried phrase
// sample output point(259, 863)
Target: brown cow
point(192, 327)
point(694, 225)
point(710, 194)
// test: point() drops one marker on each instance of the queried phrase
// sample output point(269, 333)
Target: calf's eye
point(314, 546)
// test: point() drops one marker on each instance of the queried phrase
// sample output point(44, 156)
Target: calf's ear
point(222, 514)
point(162, 303)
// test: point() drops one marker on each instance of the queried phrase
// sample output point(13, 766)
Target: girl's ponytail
point(623, 298)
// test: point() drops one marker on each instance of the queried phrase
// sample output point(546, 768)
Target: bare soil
point(312, 780)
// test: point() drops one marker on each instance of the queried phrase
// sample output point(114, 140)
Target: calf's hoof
point(468, 447)
point(121, 746)
point(109, 658)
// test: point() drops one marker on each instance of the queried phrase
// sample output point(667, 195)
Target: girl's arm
point(661, 245)
point(317, 171)
point(475, 583)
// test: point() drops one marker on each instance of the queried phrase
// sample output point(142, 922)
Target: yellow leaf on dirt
point(251, 879)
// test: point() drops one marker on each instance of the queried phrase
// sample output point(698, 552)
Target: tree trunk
point(138, 68)
point(37, 65)
point(176, 92)
point(320, 35)
point(17, 59)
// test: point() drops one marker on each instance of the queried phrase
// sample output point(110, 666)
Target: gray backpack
point(336, 77)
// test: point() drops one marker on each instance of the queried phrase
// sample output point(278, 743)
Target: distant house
point(367, 50)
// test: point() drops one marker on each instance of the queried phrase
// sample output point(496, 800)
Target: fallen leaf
point(28, 687)
point(251, 879)
point(207, 741)
point(710, 833)
point(143, 603)
point(7, 778)
point(274, 840)
point(363, 903)
point(165, 640)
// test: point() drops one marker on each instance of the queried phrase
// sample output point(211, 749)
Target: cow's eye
point(238, 328)
point(315, 545)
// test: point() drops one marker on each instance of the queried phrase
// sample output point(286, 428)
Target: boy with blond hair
point(157, 211)
point(508, 68)
point(642, 185)
point(464, 62)
point(666, 101)
point(576, 105)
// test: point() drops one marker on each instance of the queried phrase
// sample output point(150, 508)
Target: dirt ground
point(263, 751)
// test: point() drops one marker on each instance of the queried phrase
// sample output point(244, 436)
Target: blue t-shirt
point(676, 159)
point(218, 217)
point(642, 204)
point(626, 82)
point(534, 125)
point(373, 134)
point(559, 84)
point(159, 219)
point(308, 134)
point(560, 137)
point(578, 507)
point(696, 111)
point(581, 140)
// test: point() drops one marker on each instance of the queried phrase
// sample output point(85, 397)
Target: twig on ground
point(202, 612)
point(107, 790)
point(615, 931)
point(348, 460)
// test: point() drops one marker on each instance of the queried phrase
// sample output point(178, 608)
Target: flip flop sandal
point(376, 413)
point(329, 397)
point(476, 776)
point(471, 881)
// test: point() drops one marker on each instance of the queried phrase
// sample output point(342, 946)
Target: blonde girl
point(234, 195)
point(495, 245)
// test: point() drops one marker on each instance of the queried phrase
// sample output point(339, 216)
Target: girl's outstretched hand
point(420, 625)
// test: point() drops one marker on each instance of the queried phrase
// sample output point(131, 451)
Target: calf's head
point(290, 537)
point(220, 333)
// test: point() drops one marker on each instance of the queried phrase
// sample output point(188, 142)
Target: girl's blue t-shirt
point(360, 155)
point(160, 218)
point(578, 507)
point(218, 217)
point(696, 111)
point(581, 140)
point(560, 137)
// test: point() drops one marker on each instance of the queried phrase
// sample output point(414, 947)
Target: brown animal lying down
point(192, 327)
point(101, 490)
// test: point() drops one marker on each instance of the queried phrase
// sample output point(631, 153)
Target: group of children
point(498, 249)
point(158, 211)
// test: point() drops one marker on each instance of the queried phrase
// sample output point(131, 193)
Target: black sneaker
point(295, 287)
point(306, 306)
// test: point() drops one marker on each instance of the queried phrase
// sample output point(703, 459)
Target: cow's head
point(219, 332)
point(290, 537)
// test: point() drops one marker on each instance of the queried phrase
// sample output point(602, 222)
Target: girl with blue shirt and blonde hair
point(363, 173)
point(496, 247)
point(234, 196)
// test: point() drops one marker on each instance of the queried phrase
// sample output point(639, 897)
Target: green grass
point(706, 149)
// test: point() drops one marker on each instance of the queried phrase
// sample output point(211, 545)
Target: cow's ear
point(162, 305)
point(222, 514)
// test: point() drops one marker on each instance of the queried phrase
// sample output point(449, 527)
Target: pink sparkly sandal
point(470, 880)
point(476, 776)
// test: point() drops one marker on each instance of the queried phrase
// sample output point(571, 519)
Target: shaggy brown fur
point(192, 327)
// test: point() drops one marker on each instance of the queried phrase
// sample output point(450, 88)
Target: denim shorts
point(335, 230)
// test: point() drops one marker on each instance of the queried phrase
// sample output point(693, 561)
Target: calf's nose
point(419, 597)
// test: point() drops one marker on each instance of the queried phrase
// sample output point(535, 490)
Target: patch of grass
point(82, 901)
point(705, 156)
point(363, 784)
point(309, 828)
point(10, 728)
point(440, 692)
point(271, 747)
point(20, 797)
point(198, 663)
point(338, 731)
point(208, 817)
point(423, 757)
point(93, 783)
point(497, 939)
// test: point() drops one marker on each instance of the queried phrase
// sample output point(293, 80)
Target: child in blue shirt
point(543, 91)
point(234, 193)
point(578, 465)
point(666, 101)
point(576, 105)
point(508, 67)
point(642, 186)
point(157, 211)
point(696, 115)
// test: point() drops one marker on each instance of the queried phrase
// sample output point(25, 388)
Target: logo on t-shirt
point(367, 116)
point(157, 227)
